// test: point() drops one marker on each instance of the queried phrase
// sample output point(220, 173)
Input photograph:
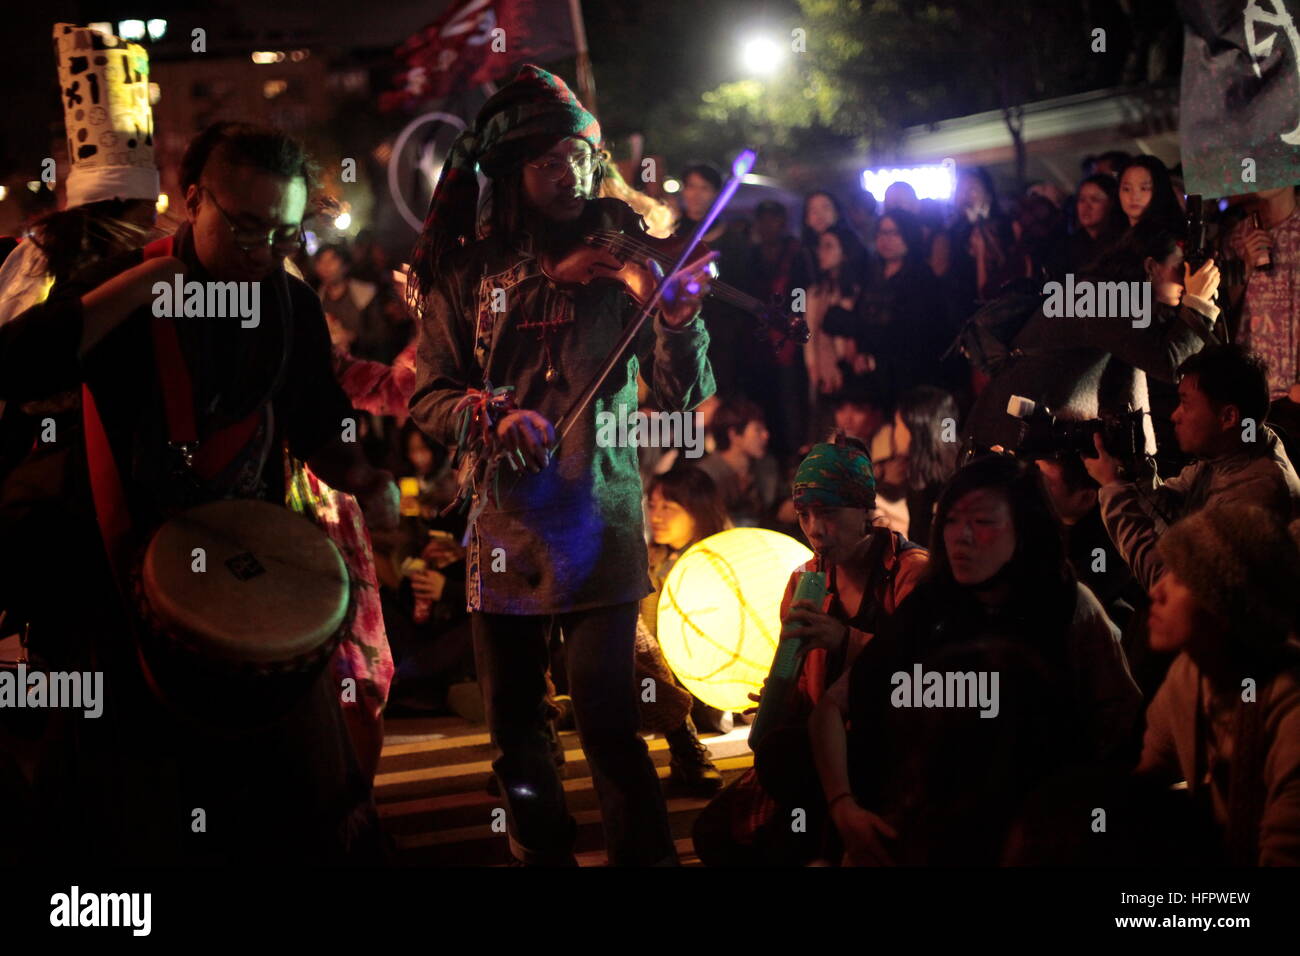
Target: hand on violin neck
point(685, 289)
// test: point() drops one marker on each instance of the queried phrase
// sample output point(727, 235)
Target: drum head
point(275, 587)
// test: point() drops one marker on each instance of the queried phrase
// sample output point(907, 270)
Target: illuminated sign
point(934, 181)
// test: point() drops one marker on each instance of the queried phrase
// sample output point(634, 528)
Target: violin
point(620, 256)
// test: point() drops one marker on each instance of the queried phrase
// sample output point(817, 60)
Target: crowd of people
point(885, 301)
point(1136, 604)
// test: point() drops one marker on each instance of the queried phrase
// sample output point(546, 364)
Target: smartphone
point(410, 488)
point(449, 557)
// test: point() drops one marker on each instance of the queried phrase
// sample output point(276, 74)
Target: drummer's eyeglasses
point(284, 240)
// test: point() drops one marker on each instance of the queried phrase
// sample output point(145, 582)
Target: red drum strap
point(212, 456)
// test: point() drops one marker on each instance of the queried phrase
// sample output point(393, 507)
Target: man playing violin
point(559, 537)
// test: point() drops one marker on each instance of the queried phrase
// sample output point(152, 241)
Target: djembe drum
point(243, 603)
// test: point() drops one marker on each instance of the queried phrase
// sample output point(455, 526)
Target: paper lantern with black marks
point(720, 612)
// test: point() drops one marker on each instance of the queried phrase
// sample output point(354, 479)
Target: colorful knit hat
point(104, 86)
point(1242, 565)
point(521, 120)
point(836, 475)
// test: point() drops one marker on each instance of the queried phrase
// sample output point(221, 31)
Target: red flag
point(477, 41)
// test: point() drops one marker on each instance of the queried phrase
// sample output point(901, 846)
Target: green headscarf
point(836, 475)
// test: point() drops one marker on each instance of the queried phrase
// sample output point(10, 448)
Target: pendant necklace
point(552, 318)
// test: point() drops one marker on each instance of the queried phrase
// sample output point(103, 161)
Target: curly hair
point(246, 144)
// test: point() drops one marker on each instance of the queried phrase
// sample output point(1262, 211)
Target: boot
point(691, 770)
point(557, 754)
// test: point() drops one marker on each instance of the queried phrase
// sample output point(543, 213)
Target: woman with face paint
point(998, 572)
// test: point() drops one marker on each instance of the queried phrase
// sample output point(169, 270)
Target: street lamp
point(760, 54)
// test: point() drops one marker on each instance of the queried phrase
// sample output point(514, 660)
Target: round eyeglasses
point(284, 240)
point(554, 168)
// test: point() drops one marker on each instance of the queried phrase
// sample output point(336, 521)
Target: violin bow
point(739, 169)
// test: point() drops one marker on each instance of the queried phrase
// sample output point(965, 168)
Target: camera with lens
point(1044, 435)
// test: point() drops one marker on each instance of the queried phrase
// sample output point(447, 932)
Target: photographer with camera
point(1084, 367)
point(1223, 400)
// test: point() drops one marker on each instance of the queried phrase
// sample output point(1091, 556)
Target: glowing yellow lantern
point(720, 612)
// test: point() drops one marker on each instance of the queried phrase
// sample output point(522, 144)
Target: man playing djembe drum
point(129, 788)
point(502, 344)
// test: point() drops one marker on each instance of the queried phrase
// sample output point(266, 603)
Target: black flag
point(1240, 114)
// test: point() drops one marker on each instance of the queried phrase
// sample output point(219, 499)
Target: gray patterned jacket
point(571, 537)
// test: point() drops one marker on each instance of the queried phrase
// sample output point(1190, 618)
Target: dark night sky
point(651, 58)
point(683, 38)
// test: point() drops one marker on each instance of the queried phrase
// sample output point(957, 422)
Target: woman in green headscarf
point(869, 570)
point(835, 502)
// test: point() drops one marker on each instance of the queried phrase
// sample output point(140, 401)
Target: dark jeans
point(511, 653)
